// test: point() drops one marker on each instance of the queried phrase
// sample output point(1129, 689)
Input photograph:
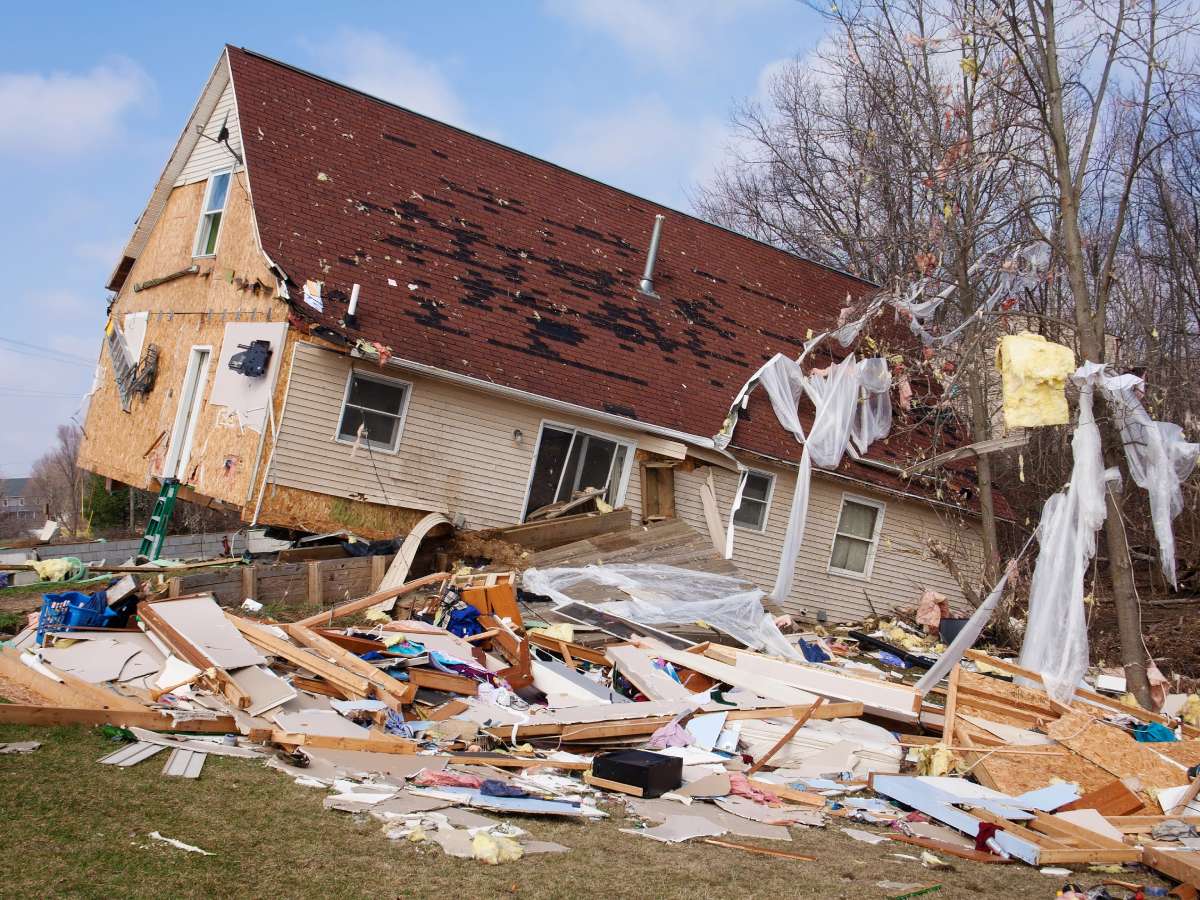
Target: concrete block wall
point(176, 546)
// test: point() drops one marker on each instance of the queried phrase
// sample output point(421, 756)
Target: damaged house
point(335, 313)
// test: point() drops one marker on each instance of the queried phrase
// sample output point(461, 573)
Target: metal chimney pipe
point(646, 285)
point(351, 318)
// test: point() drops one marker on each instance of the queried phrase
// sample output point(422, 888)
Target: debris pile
point(457, 708)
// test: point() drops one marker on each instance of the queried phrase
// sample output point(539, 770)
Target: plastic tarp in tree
point(668, 595)
point(1056, 644)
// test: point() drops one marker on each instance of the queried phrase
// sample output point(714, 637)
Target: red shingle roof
point(487, 262)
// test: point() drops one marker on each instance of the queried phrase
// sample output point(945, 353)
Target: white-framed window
point(856, 537)
point(568, 460)
point(216, 195)
point(373, 410)
point(756, 500)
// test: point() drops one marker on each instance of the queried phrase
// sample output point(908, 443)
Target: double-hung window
point(569, 460)
point(373, 411)
point(756, 501)
point(215, 197)
point(857, 537)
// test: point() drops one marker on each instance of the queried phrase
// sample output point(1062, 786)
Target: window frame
point(766, 510)
point(401, 417)
point(205, 213)
point(873, 548)
point(626, 470)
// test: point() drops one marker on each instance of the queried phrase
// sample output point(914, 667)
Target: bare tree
point(57, 482)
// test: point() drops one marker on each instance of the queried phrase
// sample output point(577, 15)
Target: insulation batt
point(1034, 373)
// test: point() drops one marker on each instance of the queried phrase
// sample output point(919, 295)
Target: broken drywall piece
point(865, 837)
point(200, 621)
point(265, 689)
point(706, 729)
point(1092, 820)
point(715, 784)
point(97, 661)
point(678, 828)
point(324, 722)
point(19, 747)
point(770, 815)
point(1034, 374)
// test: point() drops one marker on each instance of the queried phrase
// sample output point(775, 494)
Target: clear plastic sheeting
point(874, 418)
point(1056, 644)
point(1159, 460)
point(667, 595)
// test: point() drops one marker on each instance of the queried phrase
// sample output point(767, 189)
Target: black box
point(654, 773)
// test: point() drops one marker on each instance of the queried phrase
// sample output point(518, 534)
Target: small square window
point(856, 538)
point(373, 412)
point(215, 197)
point(756, 500)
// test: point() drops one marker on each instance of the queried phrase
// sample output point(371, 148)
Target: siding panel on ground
point(457, 452)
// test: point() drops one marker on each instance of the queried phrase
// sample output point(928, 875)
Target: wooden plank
point(566, 648)
point(1089, 856)
point(783, 792)
point(316, 595)
point(442, 681)
point(949, 849)
point(377, 743)
point(565, 530)
point(71, 691)
point(605, 784)
point(391, 691)
point(182, 647)
point(378, 570)
point(515, 762)
point(14, 714)
point(1114, 799)
point(1014, 828)
point(249, 582)
point(592, 731)
point(309, 554)
point(949, 720)
point(447, 711)
point(310, 662)
point(787, 736)
point(365, 602)
point(761, 851)
point(1085, 837)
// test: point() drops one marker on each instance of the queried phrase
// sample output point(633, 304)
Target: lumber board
point(1085, 837)
point(787, 736)
point(1182, 866)
point(15, 714)
point(607, 785)
point(371, 600)
point(377, 743)
point(783, 792)
point(310, 662)
point(515, 762)
point(391, 691)
point(949, 849)
point(761, 851)
point(421, 677)
point(568, 649)
point(71, 691)
point(950, 711)
point(1113, 799)
point(1089, 856)
point(764, 687)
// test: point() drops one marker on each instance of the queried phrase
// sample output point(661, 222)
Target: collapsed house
point(337, 314)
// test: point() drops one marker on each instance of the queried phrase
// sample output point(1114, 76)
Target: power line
point(54, 356)
point(16, 392)
point(44, 349)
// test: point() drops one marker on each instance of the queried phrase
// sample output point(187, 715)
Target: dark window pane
point(376, 395)
point(210, 238)
point(597, 464)
point(572, 469)
point(379, 429)
point(552, 453)
point(757, 486)
point(751, 513)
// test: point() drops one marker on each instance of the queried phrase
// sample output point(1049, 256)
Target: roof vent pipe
point(646, 285)
point(351, 317)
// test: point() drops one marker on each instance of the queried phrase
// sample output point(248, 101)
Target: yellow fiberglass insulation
point(1034, 373)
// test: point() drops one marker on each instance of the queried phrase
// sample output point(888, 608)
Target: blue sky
point(633, 92)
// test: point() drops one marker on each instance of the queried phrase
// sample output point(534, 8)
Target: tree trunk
point(980, 431)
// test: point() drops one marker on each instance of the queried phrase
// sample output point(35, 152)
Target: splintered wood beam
point(310, 662)
point(366, 602)
point(788, 735)
point(376, 743)
point(392, 692)
point(979, 448)
point(184, 648)
point(164, 279)
point(150, 719)
point(70, 691)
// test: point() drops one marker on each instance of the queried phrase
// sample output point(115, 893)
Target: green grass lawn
point(74, 828)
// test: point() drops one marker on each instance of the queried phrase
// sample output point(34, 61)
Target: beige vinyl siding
point(903, 567)
point(208, 155)
point(456, 454)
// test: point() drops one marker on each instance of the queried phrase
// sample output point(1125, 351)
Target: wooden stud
point(791, 733)
point(607, 785)
point(250, 582)
point(762, 851)
point(378, 570)
point(949, 715)
point(376, 743)
point(310, 662)
point(315, 588)
point(442, 681)
point(365, 602)
point(15, 714)
point(392, 692)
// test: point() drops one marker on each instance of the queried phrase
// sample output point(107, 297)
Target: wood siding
point(209, 156)
point(903, 567)
point(456, 455)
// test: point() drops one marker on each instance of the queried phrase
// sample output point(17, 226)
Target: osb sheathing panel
point(223, 454)
point(1034, 767)
point(308, 511)
point(1028, 702)
point(1185, 753)
point(1115, 751)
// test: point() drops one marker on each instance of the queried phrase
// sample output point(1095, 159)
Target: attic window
point(215, 197)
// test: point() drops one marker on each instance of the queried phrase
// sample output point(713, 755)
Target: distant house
point(14, 500)
point(454, 325)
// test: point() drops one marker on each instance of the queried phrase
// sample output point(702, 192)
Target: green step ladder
point(156, 528)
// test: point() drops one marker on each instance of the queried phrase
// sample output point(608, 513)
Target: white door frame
point(191, 398)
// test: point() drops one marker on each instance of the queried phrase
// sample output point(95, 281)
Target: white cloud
point(65, 113)
point(378, 65)
point(644, 147)
point(666, 32)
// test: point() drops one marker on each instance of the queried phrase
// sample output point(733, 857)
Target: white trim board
point(763, 687)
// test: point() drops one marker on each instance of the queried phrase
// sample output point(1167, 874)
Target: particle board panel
point(1115, 751)
point(1186, 753)
point(1037, 766)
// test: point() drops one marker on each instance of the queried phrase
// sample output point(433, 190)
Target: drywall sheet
point(135, 334)
point(98, 661)
point(265, 689)
point(324, 722)
point(638, 666)
point(879, 697)
point(201, 621)
point(248, 397)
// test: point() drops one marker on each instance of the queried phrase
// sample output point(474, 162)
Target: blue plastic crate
point(71, 609)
